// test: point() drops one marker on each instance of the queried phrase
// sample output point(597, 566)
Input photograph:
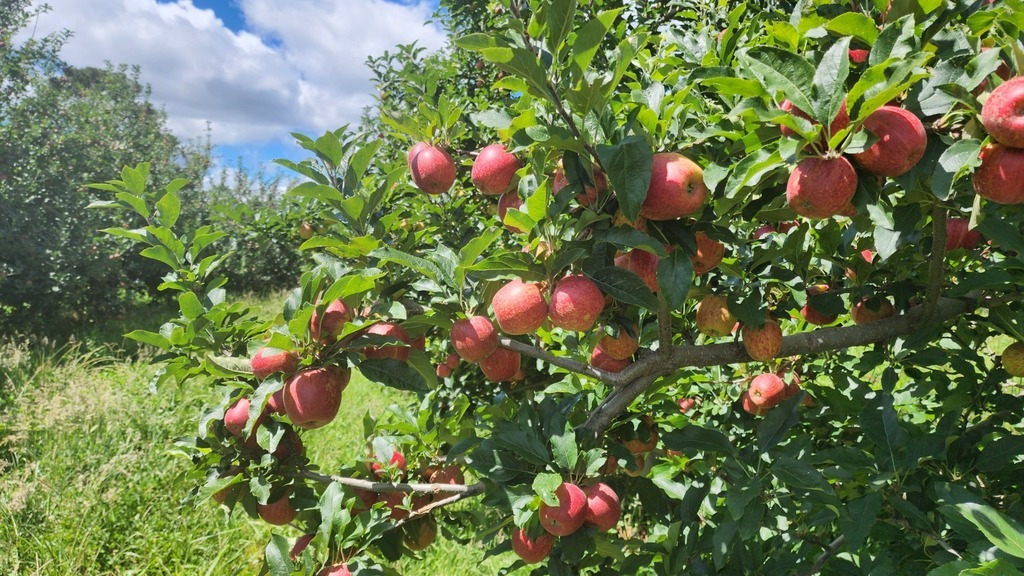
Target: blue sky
point(255, 70)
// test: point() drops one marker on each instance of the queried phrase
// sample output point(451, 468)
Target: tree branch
point(936, 264)
point(828, 553)
point(463, 490)
point(560, 361)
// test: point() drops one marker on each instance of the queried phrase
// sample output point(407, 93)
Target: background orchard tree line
point(503, 241)
point(63, 127)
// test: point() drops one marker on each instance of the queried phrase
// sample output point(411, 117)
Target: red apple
point(821, 187)
point(519, 307)
point(1000, 178)
point(767, 390)
point(869, 310)
point(237, 415)
point(474, 338)
point(644, 438)
point(620, 347)
point(300, 545)
point(575, 303)
point(278, 512)
point(709, 254)
point(494, 170)
point(603, 509)
point(713, 316)
point(432, 168)
point(336, 570)
point(397, 464)
point(642, 263)
point(501, 365)
point(267, 361)
point(685, 404)
point(748, 405)
point(453, 359)
point(858, 55)
point(275, 403)
point(312, 397)
point(390, 351)
point(1003, 113)
point(447, 475)
point(570, 513)
point(901, 142)
point(676, 189)
point(841, 121)
point(762, 343)
point(420, 533)
point(510, 199)
point(289, 445)
point(959, 234)
point(530, 550)
point(590, 193)
point(336, 314)
point(600, 359)
point(443, 371)
point(814, 316)
point(1013, 359)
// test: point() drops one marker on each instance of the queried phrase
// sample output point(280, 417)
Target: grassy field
point(89, 484)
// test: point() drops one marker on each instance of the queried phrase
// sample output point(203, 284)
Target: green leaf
point(778, 423)
point(135, 178)
point(694, 437)
point(1001, 530)
point(316, 191)
point(625, 286)
point(955, 161)
point(329, 148)
point(675, 273)
point(997, 567)
point(854, 24)
point(859, 517)
point(545, 485)
point(628, 166)
point(800, 475)
point(231, 365)
point(138, 235)
point(393, 373)
point(881, 424)
point(564, 449)
point(782, 71)
point(560, 16)
point(331, 504)
point(151, 338)
point(161, 254)
point(421, 265)
point(507, 264)
point(830, 82)
point(590, 36)
point(168, 209)
point(190, 305)
point(277, 555)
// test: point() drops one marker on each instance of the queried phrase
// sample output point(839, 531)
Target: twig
point(560, 361)
point(828, 553)
point(464, 490)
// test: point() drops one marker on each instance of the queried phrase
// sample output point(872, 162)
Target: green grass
point(89, 483)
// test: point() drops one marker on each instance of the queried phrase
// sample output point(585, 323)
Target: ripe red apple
point(748, 405)
point(814, 316)
point(530, 550)
point(959, 234)
point(685, 404)
point(619, 219)
point(501, 365)
point(275, 403)
point(335, 570)
point(267, 361)
point(396, 464)
point(237, 415)
point(676, 189)
point(901, 142)
point(841, 121)
point(421, 533)
point(336, 314)
point(494, 170)
point(312, 397)
point(869, 310)
point(289, 445)
point(821, 187)
point(300, 545)
point(1003, 113)
point(762, 343)
point(1013, 359)
point(590, 193)
point(474, 338)
point(393, 330)
point(519, 307)
point(510, 199)
point(767, 390)
point(709, 254)
point(620, 347)
point(858, 55)
point(1000, 178)
point(432, 168)
point(603, 509)
point(642, 263)
point(447, 475)
point(278, 512)
point(600, 359)
point(453, 359)
point(713, 316)
point(443, 371)
point(570, 513)
point(575, 303)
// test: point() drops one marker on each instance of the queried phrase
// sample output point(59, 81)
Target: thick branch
point(635, 379)
point(463, 490)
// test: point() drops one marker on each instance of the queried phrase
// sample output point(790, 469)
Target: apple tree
point(680, 288)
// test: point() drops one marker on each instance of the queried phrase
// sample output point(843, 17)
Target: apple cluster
point(594, 505)
point(1000, 177)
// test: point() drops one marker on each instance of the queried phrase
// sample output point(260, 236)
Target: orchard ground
point(89, 483)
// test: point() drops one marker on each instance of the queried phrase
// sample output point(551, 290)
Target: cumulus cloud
point(297, 65)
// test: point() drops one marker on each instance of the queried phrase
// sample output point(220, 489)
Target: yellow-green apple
point(767, 390)
point(821, 187)
point(709, 254)
point(279, 512)
point(312, 397)
point(420, 533)
point(474, 338)
point(431, 167)
point(713, 316)
point(959, 234)
point(762, 343)
point(603, 508)
point(569, 514)
point(1013, 359)
point(267, 361)
point(494, 170)
point(676, 189)
point(841, 121)
point(600, 359)
point(501, 365)
point(622, 346)
point(1003, 113)
point(398, 352)
point(901, 142)
point(867, 310)
point(575, 303)
point(532, 550)
point(1000, 178)
point(519, 307)
point(306, 230)
point(335, 315)
point(510, 199)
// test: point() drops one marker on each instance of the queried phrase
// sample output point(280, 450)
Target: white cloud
point(299, 66)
